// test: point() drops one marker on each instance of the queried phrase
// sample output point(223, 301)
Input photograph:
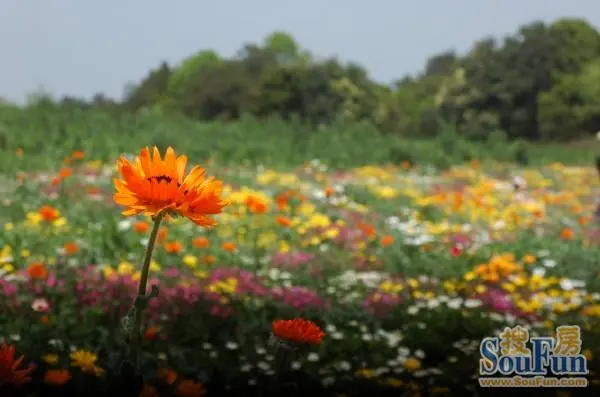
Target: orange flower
point(152, 185)
point(71, 248)
point(63, 174)
point(9, 367)
point(329, 191)
point(209, 260)
point(405, 165)
point(49, 213)
point(57, 376)
point(167, 375)
point(367, 229)
point(228, 246)
point(387, 240)
point(149, 391)
point(163, 232)
point(78, 155)
point(173, 247)
point(567, 233)
point(283, 221)
point(189, 388)
point(37, 271)
point(298, 330)
point(256, 205)
point(200, 242)
point(19, 152)
point(151, 332)
point(141, 227)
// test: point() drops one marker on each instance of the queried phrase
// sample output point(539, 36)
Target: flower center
point(160, 178)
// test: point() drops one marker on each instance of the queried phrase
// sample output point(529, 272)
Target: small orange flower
point(152, 185)
point(163, 232)
point(209, 260)
point(57, 377)
point(141, 227)
point(387, 240)
point(71, 248)
point(405, 165)
point(78, 155)
point(329, 191)
point(49, 213)
point(283, 221)
point(200, 242)
point(173, 247)
point(151, 332)
point(149, 391)
point(65, 172)
point(229, 246)
point(298, 330)
point(167, 375)
point(189, 388)
point(529, 259)
point(367, 229)
point(256, 205)
point(37, 271)
point(19, 152)
point(567, 233)
point(9, 367)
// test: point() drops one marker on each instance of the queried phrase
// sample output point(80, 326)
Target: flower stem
point(140, 303)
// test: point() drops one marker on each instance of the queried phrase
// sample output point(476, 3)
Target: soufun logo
point(525, 361)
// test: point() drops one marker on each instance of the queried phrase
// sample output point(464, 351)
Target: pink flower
point(40, 305)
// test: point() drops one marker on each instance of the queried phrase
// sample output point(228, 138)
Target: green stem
point(140, 301)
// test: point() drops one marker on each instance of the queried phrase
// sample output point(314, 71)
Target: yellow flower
point(266, 239)
point(284, 247)
point(86, 361)
point(125, 268)
point(412, 364)
point(9, 226)
point(394, 382)
point(50, 359)
point(108, 271)
point(154, 266)
point(469, 276)
point(8, 268)
point(190, 261)
point(366, 373)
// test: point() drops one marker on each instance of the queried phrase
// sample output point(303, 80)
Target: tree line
point(539, 83)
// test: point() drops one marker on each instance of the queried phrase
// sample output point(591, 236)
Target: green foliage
point(540, 83)
point(272, 142)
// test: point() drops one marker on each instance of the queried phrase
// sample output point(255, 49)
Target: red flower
point(456, 250)
point(298, 330)
point(9, 372)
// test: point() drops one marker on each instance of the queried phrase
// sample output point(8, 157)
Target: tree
point(150, 90)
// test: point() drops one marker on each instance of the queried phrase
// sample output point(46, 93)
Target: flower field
point(402, 270)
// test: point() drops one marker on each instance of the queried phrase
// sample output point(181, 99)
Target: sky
point(79, 48)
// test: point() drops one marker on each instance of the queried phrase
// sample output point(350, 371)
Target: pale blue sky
point(80, 47)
